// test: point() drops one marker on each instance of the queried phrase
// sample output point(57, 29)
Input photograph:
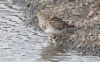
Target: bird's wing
point(59, 24)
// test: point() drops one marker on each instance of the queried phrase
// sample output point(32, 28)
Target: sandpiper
point(52, 24)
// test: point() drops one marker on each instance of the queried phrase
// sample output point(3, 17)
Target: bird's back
point(58, 23)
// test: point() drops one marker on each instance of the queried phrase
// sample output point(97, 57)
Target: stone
point(98, 36)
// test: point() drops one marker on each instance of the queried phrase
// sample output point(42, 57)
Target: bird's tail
point(69, 25)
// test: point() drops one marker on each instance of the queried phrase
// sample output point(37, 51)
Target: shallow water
point(19, 43)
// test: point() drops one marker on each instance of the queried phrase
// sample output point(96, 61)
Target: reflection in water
point(49, 52)
point(56, 54)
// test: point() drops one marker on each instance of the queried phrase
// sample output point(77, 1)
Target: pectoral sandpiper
point(52, 24)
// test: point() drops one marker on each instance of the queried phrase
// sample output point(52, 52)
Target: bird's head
point(40, 14)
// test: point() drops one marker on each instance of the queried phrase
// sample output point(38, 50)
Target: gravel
point(84, 38)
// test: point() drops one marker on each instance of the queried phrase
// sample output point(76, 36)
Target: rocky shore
point(84, 14)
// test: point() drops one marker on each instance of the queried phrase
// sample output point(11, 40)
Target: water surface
point(19, 43)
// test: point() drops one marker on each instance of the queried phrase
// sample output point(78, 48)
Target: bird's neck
point(41, 19)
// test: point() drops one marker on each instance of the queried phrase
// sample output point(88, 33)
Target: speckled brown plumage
point(52, 22)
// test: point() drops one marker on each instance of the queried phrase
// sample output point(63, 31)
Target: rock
point(98, 44)
point(90, 34)
point(78, 46)
point(97, 3)
point(98, 36)
point(91, 14)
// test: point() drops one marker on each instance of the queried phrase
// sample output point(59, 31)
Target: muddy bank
point(85, 38)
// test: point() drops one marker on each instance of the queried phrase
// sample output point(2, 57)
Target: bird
point(52, 24)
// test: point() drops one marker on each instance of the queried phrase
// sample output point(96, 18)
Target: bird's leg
point(51, 38)
point(58, 35)
point(55, 37)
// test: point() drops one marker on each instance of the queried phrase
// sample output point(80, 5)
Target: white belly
point(52, 31)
